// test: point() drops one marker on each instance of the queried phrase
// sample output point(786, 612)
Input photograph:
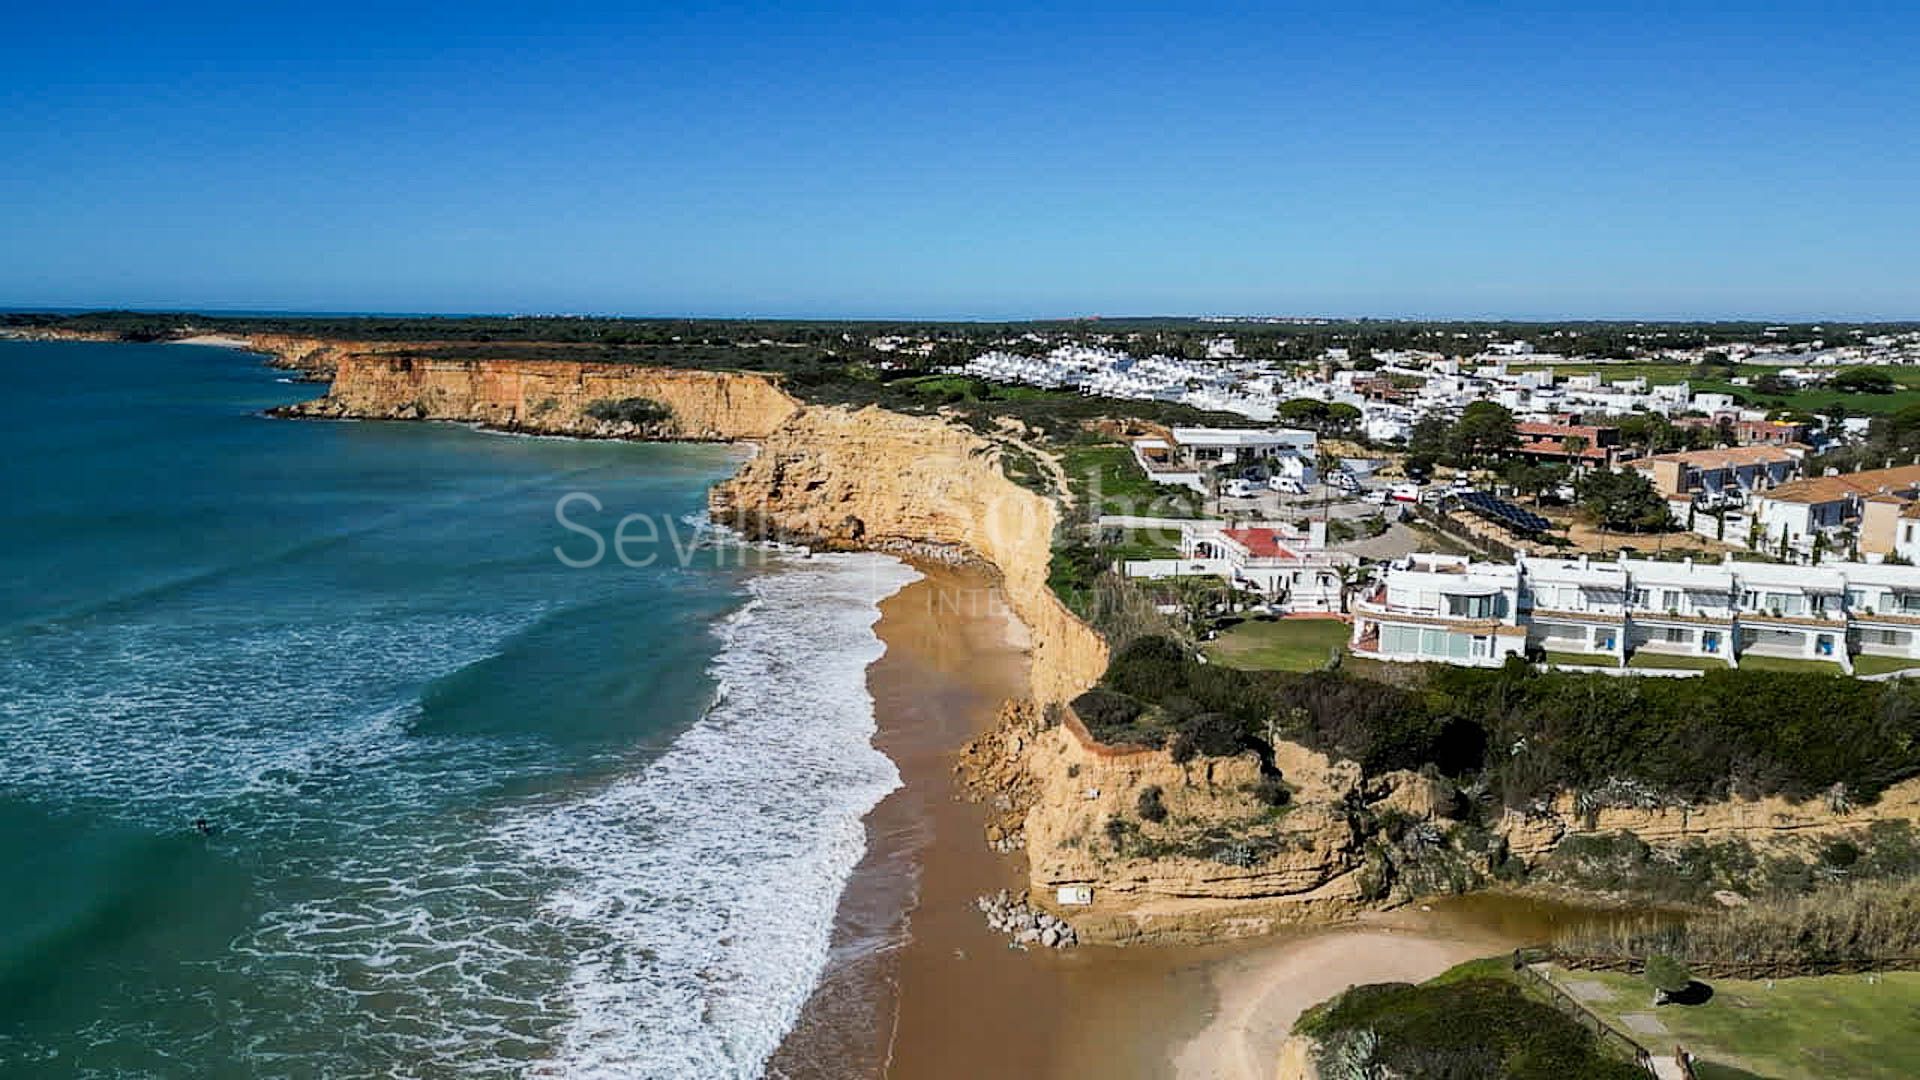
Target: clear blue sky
point(898, 160)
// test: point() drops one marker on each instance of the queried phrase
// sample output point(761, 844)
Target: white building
point(1289, 568)
point(1449, 609)
point(1192, 453)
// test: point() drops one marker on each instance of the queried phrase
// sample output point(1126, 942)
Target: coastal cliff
point(544, 396)
point(827, 476)
point(1223, 862)
point(840, 478)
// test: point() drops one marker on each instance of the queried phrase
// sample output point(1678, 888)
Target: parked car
point(1405, 493)
point(1378, 497)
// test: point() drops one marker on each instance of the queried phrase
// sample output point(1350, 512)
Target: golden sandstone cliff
point(840, 478)
point(548, 396)
point(827, 476)
point(1224, 862)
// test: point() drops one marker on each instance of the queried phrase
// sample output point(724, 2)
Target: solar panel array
point(1501, 512)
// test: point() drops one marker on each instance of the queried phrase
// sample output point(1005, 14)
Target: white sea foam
point(708, 883)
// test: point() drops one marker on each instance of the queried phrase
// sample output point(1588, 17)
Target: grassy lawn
point(1670, 662)
point(1122, 486)
point(1782, 663)
point(1868, 664)
point(1802, 1029)
point(1281, 645)
point(1141, 547)
point(1580, 659)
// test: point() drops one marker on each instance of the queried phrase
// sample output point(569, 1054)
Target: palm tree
point(1351, 577)
point(1576, 445)
point(1325, 462)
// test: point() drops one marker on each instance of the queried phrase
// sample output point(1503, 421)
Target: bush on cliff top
point(1728, 732)
point(1470, 1028)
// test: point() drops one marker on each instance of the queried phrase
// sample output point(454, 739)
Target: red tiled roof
point(1591, 453)
point(1260, 543)
point(1590, 432)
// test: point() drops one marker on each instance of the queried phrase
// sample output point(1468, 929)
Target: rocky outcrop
point(1222, 862)
point(316, 359)
point(546, 396)
point(873, 479)
point(1770, 821)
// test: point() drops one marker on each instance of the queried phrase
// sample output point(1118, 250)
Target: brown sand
point(919, 989)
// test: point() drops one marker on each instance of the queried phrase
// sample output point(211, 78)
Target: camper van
point(1408, 493)
point(1243, 489)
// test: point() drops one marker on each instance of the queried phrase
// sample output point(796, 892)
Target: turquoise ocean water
point(474, 812)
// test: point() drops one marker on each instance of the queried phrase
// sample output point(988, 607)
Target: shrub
point(633, 410)
point(1857, 923)
point(1666, 975)
point(1104, 710)
point(1471, 1027)
point(1150, 807)
point(1272, 791)
point(1214, 735)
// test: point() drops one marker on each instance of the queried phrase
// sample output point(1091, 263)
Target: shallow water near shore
point(469, 811)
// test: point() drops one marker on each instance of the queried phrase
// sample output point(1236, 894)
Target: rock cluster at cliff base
point(1011, 915)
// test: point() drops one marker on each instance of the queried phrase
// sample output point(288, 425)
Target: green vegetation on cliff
point(1527, 734)
point(1471, 1025)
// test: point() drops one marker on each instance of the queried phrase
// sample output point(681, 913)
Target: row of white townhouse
point(1450, 609)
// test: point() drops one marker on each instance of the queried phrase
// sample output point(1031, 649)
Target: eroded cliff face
point(547, 396)
point(317, 359)
point(831, 477)
point(1774, 821)
point(841, 478)
point(1223, 862)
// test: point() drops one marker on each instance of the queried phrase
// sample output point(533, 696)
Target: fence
point(1620, 1041)
point(1748, 970)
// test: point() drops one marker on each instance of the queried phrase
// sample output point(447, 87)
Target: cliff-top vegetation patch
point(1525, 735)
point(1468, 1027)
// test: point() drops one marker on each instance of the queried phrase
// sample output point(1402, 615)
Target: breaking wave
point(708, 882)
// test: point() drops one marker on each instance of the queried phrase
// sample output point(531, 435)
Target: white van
point(1409, 493)
point(1241, 489)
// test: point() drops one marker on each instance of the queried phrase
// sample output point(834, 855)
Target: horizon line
point(1091, 319)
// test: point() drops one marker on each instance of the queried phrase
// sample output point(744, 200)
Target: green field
point(1670, 662)
point(1813, 400)
point(1108, 471)
point(1801, 1029)
point(1782, 663)
point(1581, 659)
point(1280, 645)
point(1868, 664)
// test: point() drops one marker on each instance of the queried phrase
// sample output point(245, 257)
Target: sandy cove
point(920, 989)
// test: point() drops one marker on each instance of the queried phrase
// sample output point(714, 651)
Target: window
point(1399, 639)
point(1670, 599)
point(1678, 636)
point(1477, 607)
